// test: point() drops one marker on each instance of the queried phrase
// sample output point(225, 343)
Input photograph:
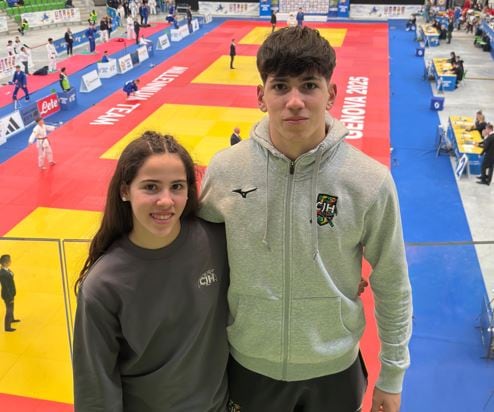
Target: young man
point(301, 209)
point(20, 82)
point(8, 292)
point(300, 17)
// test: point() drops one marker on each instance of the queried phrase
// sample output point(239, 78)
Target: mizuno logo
point(244, 193)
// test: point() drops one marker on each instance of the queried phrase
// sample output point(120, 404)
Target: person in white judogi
point(39, 135)
point(134, 7)
point(130, 28)
point(152, 6)
point(52, 55)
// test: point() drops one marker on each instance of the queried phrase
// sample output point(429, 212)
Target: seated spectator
point(411, 23)
point(480, 122)
point(105, 58)
point(452, 58)
point(20, 3)
point(459, 71)
point(23, 27)
point(68, 4)
point(443, 33)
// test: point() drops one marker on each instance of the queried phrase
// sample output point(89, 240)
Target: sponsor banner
point(176, 35)
point(7, 65)
point(67, 99)
point(163, 42)
point(125, 64)
point(29, 113)
point(49, 17)
point(115, 18)
point(142, 53)
point(90, 81)
point(48, 105)
point(380, 12)
point(79, 38)
point(264, 8)
point(107, 70)
point(184, 30)
point(10, 125)
point(3, 24)
point(195, 24)
point(208, 18)
point(461, 165)
point(229, 9)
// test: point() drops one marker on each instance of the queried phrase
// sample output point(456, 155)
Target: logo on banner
point(48, 105)
point(9, 125)
point(29, 113)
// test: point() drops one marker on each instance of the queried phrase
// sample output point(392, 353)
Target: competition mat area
point(198, 99)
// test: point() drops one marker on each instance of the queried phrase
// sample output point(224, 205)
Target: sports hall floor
point(201, 103)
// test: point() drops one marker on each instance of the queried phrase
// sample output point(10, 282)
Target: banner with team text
point(49, 17)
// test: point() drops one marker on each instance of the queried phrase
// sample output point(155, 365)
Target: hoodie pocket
point(324, 328)
point(255, 326)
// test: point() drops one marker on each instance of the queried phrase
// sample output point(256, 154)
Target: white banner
point(195, 24)
point(163, 42)
point(49, 17)
point(3, 24)
point(184, 30)
point(107, 70)
point(208, 18)
point(125, 64)
point(229, 9)
point(142, 53)
point(90, 81)
point(7, 65)
point(380, 12)
point(10, 125)
point(176, 34)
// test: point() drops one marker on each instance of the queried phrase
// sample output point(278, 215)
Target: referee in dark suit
point(8, 291)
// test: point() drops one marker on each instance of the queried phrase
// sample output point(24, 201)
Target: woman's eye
point(178, 186)
point(150, 187)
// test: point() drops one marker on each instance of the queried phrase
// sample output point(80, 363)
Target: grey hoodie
point(296, 235)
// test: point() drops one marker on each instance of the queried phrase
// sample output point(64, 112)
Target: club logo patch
point(326, 209)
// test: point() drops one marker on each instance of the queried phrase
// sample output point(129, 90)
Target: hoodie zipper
point(287, 274)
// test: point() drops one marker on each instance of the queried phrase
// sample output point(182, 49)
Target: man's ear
point(260, 99)
point(332, 89)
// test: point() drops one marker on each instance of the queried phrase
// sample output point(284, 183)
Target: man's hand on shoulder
point(385, 402)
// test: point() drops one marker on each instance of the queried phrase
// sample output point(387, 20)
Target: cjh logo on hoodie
point(208, 278)
point(326, 209)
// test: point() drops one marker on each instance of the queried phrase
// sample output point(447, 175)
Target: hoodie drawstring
point(313, 210)
point(266, 223)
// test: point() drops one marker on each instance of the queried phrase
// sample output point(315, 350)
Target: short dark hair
point(4, 259)
point(292, 51)
point(117, 216)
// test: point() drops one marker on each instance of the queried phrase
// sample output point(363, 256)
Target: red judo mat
point(80, 178)
point(77, 62)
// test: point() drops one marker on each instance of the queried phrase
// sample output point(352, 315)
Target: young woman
point(150, 328)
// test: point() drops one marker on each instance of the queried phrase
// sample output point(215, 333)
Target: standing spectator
point(23, 26)
point(109, 23)
point(52, 55)
point(488, 151)
point(121, 14)
point(152, 6)
point(273, 21)
point(24, 59)
point(91, 36)
point(451, 27)
point(18, 44)
point(64, 80)
point(188, 13)
point(10, 48)
point(93, 17)
point(233, 53)
point(235, 137)
point(8, 291)
point(137, 29)
point(130, 28)
point(103, 28)
point(20, 82)
point(133, 8)
point(300, 17)
point(39, 134)
point(144, 13)
point(69, 41)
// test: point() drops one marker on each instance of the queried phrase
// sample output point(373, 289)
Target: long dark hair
point(117, 217)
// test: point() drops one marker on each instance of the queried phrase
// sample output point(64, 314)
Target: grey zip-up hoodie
point(296, 235)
